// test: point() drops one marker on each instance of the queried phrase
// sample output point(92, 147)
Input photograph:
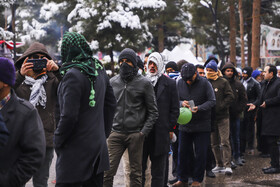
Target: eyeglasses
point(37, 56)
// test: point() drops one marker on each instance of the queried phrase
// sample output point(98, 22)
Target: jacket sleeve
point(71, 90)
point(242, 98)
point(152, 111)
point(274, 101)
point(258, 92)
point(110, 104)
point(174, 106)
point(211, 100)
point(33, 145)
point(228, 95)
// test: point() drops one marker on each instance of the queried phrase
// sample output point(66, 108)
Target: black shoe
point(266, 168)
point(265, 155)
point(172, 181)
point(210, 174)
point(271, 171)
point(233, 165)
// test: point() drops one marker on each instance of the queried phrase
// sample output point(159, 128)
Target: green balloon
point(185, 116)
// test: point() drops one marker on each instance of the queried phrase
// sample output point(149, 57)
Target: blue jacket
point(202, 93)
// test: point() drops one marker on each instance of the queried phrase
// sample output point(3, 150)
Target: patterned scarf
point(76, 53)
point(38, 94)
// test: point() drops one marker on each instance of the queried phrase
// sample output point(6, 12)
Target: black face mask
point(127, 72)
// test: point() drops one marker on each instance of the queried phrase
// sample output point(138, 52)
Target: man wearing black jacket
point(247, 128)
point(235, 109)
point(270, 105)
point(194, 137)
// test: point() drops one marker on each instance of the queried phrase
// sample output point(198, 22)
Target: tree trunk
point(256, 34)
point(160, 38)
point(112, 62)
point(242, 33)
point(232, 32)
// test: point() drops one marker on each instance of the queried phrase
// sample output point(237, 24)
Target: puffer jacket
point(136, 105)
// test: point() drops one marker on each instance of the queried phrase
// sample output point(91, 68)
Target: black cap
point(187, 71)
point(248, 71)
point(172, 65)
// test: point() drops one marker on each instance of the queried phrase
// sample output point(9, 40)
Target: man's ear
point(5, 85)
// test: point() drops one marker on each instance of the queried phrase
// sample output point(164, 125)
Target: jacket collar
point(8, 109)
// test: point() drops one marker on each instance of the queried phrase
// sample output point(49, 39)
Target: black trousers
point(94, 181)
point(247, 130)
point(158, 164)
point(210, 162)
point(273, 150)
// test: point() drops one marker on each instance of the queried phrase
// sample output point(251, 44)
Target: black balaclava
point(127, 72)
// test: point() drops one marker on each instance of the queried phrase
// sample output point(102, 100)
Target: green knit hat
point(76, 53)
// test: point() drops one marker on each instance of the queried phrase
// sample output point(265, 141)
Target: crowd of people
point(93, 122)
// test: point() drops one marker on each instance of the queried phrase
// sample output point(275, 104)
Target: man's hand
point(26, 68)
point(171, 135)
point(51, 65)
point(251, 106)
point(185, 104)
point(263, 105)
point(194, 110)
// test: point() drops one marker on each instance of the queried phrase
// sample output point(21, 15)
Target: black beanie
point(248, 71)
point(187, 71)
point(129, 54)
point(172, 65)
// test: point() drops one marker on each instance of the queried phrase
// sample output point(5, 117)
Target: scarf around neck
point(38, 94)
point(76, 53)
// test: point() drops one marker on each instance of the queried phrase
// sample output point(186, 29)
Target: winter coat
point(240, 96)
point(168, 109)
point(224, 97)
point(80, 137)
point(201, 92)
point(136, 105)
point(47, 114)
point(271, 113)
point(253, 91)
point(4, 133)
point(23, 90)
point(24, 153)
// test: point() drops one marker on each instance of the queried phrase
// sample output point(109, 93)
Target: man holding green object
point(194, 137)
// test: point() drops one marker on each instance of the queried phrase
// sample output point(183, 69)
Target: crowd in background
point(92, 122)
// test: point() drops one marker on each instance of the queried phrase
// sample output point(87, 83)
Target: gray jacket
point(136, 105)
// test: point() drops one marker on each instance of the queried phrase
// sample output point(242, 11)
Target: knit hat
point(187, 71)
point(256, 73)
point(7, 71)
point(212, 57)
point(172, 65)
point(248, 71)
point(130, 55)
point(213, 65)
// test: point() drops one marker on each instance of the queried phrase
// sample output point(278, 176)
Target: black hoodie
point(240, 101)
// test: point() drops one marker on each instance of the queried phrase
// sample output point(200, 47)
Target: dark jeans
point(95, 181)
point(40, 179)
point(235, 137)
point(247, 130)
point(210, 162)
point(117, 144)
point(190, 143)
point(273, 150)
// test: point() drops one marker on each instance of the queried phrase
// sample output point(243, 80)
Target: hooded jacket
point(23, 90)
point(240, 96)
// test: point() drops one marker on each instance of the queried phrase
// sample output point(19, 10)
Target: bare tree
point(232, 36)
point(241, 18)
point(256, 34)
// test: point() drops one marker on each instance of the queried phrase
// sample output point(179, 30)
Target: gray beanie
point(129, 54)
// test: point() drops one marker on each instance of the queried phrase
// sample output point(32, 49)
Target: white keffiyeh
point(158, 60)
point(38, 94)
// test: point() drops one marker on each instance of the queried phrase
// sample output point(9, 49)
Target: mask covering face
point(127, 72)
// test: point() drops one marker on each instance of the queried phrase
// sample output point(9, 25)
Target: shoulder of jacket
point(26, 104)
